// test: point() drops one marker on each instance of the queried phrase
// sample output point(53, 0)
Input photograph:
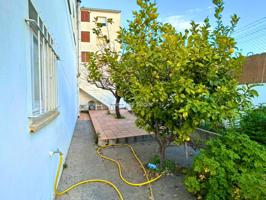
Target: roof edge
point(100, 9)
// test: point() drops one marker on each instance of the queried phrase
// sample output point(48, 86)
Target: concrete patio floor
point(83, 163)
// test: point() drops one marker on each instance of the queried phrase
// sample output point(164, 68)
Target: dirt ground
point(83, 163)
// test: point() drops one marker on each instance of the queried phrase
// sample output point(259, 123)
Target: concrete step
point(126, 140)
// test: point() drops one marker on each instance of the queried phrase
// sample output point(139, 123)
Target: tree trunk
point(162, 143)
point(162, 153)
point(117, 111)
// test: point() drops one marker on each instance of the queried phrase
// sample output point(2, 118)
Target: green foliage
point(253, 123)
point(175, 80)
point(247, 93)
point(155, 160)
point(230, 167)
point(167, 165)
point(215, 127)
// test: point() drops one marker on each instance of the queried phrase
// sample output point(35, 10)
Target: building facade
point(254, 72)
point(39, 101)
point(91, 96)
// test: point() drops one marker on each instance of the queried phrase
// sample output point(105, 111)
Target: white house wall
point(26, 170)
point(85, 98)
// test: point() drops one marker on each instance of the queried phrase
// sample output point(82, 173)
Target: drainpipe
point(78, 51)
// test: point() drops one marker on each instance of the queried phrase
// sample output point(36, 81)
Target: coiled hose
point(119, 167)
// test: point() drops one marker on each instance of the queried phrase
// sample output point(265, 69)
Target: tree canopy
point(176, 80)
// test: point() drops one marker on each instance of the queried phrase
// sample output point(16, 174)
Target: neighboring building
point(91, 96)
point(254, 72)
point(39, 93)
point(251, 42)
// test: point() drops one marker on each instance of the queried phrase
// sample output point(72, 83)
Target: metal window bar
point(34, 23)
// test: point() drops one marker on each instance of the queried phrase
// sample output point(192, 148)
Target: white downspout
point(78, 52)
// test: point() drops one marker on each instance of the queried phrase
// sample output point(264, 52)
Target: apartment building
point(92, 97)
point(39, 93)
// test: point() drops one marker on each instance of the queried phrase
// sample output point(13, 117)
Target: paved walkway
point(108, 127)
point(83, 163)
point(84, 116)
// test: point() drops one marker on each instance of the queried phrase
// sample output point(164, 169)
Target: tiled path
point(84, 116)
point(83, 163)
point(108, 127)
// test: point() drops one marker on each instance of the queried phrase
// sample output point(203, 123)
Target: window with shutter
point(85, 56)
point(85, 16)
point(85, 36)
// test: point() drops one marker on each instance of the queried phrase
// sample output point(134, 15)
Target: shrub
point(254, 124)
point(155, 159)
point(167, 165)
point(230, 167)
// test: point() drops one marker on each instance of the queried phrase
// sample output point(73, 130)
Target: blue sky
point(180, 12)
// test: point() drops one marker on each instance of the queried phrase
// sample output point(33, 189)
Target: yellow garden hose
point(120, 167)
point(81, 182)
point(148, 182)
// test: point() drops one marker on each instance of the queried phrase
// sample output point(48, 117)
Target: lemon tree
point(176, 80)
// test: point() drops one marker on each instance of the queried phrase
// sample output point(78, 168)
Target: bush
point(167, 165)
point(230, 167)
point(254, 124)
point(155, 160)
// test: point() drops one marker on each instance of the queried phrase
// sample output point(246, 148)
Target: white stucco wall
point(26, 170)
point(85, 98)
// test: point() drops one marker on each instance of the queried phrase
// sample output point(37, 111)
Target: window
point(85, 16)
point(85, 56)
point(73, 10)
point(69, 7)
point(102, 21)
point(85, 36)
point(43, 66)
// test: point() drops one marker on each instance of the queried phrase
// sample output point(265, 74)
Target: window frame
point(103, 24)
point(85, 56)
point(46, 86)
point(69, 7)
point(35, 106)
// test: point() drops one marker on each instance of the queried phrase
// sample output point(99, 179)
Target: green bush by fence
point(229, 167)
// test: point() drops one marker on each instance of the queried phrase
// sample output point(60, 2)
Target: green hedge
point(254, 124)
point(230, 167)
